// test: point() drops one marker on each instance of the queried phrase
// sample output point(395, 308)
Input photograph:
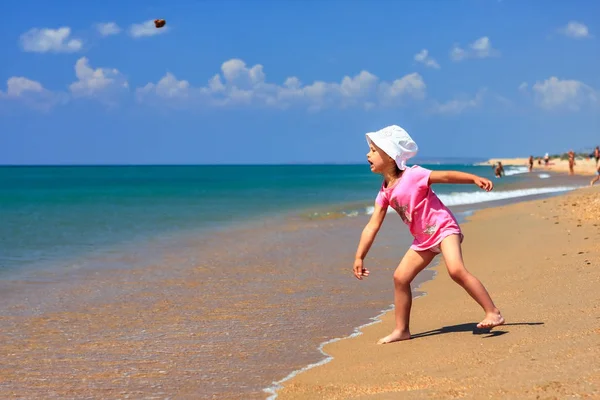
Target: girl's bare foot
point(491, 320)
point(395, 336)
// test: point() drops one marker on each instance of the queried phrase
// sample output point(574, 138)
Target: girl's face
point(378, 159)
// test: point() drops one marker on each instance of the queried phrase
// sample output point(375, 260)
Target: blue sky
point(292, 81)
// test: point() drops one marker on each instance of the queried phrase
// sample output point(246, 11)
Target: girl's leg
point(412, 263)
point(452, 253)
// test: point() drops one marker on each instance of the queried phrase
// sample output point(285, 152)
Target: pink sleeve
point(419, 177)
point(382, 199)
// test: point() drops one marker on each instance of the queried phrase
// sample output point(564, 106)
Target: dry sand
point(540, 260)
point(582, 166)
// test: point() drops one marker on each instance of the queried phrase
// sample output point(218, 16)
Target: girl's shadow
point(471, 327)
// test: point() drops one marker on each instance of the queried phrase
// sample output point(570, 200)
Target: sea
point(199, 282)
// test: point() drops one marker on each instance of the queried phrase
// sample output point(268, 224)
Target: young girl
point(435, 230)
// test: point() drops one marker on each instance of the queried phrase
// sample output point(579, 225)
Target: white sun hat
point(396, 143)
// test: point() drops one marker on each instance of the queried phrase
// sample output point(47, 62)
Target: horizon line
point(424, 161)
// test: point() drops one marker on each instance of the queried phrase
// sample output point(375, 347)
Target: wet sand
point(219, 317)
point(540, 260)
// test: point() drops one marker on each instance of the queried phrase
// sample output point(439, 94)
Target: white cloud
point(146, 29)
point(50, 40)
point(554, 94)
point(359, 86)
point(575, 30)
point(423, 57)
point(31, 93)
point(236, 72)
point(168, 88)
point(523, 87)
point(239, 84)
point(411, 85)
point(459, 105)
point(457, 54)
point(18, 85)
point(480, 48)
point(100, 82)
point(108, 28)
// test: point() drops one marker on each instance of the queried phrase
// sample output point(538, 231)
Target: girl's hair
point(398, 170)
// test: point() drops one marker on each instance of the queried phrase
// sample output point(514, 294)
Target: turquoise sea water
point(51, 213)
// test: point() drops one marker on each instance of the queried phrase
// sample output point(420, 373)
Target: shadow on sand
point(472, 327)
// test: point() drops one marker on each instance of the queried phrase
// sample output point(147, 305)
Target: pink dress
point(428, 219)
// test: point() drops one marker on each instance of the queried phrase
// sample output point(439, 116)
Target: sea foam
point(508, 171)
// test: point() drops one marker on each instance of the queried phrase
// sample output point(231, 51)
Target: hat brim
point(390, 149)
point(386, 147)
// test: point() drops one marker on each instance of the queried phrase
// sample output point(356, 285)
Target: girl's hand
point(483, 183)
point(359, 269)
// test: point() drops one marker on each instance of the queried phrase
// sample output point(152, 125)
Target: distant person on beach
point(571, 162)
point(546, 159)
point(499, 170)
point(530, 163)
point(435, 229)
point(597, 177)
point(597, 154)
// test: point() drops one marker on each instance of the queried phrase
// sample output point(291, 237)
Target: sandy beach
point(585, 166)
point(540, 261)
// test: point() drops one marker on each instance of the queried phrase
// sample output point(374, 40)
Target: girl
point(435, 230)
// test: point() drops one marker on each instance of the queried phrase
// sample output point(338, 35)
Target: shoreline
point(275, 387)
point(308, 383)
point(464, 212)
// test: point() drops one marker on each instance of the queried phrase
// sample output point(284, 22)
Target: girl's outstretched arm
point(460, 177)
point(366, 240)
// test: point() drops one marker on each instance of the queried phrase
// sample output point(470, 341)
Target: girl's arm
point(460, 177)
point(370, 231)
point(366, 240)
